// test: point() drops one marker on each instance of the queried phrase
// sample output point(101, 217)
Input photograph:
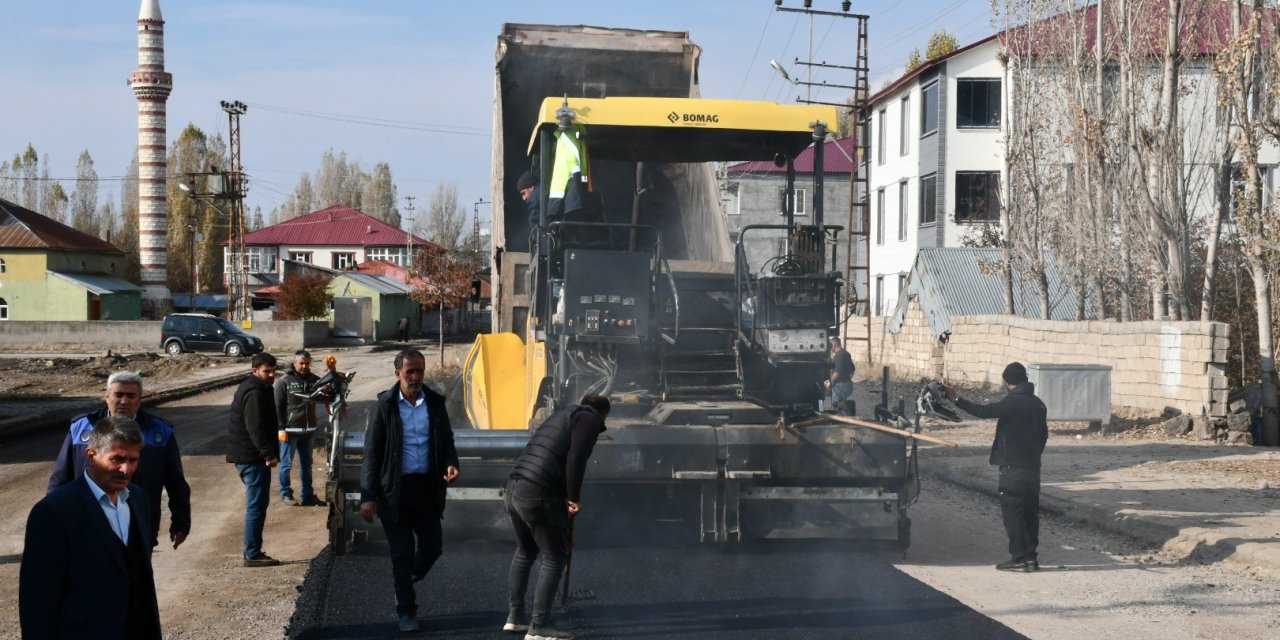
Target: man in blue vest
point(160, 468)
point(543, 493)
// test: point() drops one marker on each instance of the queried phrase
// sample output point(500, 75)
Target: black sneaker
point(289, 501)
point(1015, 565)
point(408, 623)
point(260, 560)
point(547, 633)
point(312, 501)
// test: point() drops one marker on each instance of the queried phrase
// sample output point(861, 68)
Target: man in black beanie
point(1021, 432)
point(527, 185)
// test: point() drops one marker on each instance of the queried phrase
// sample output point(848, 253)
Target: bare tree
point(441, 280)
point(379, 195)
point(445, 216)
point(84, 201)
point(1253, 91)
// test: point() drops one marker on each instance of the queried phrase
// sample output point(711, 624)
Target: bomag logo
point(693, 118)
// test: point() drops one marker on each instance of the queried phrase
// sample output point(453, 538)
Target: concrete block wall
point(133, 336)
point(911, 354)
point(1153, 364)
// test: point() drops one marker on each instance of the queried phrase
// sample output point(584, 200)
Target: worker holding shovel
point(543, 496)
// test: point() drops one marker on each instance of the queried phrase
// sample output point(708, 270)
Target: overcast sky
point(425, 66)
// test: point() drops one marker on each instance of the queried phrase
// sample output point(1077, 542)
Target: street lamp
point(191, 262)
point(776, 67)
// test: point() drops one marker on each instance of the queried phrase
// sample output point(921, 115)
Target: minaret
point(152, 84)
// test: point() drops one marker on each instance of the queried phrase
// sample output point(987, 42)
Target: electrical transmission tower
point(238, 307)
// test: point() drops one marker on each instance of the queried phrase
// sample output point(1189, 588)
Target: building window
point(880, 135)
point(902, 283)
point(111, 269)
point(904, 139)
point(389, 254)
point(879, 295)
point(344, 260)
point(977, 196)
point(258, 260)
point(880, 216)
point(978, 103)
point(929, 199)
point(902, 211)
point(300, 256)
point(798, 201)
point(4, 309)
point(929, 109)
point(521, 285)
point(2, 267)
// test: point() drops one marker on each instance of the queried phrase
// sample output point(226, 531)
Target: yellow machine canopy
point(688, 129)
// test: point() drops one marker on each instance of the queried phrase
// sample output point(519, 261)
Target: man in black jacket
point(1021, 433)
point(253, 448)
point(409, 461)
point(543, 493)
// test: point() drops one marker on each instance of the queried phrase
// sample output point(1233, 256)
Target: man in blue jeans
point(543, 493)
point(297, 416)
point(252, 447)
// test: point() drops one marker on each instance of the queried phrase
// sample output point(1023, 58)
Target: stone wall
point(277, 336)
point(1153, 364)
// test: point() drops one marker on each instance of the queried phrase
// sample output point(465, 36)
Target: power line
point(377, 122)
point(752, 65)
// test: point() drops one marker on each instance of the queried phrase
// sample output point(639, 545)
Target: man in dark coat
point(252, 446)
point(543, 493)
point(1021, 432)
point(86, 565)
point(409, 461)
point(160, 469)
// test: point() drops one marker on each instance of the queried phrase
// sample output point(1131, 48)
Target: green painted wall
point(31, 293)
point(387, 309)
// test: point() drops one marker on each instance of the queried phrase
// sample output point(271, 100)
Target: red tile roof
point(836, 157)
point(22, 228)
point(338, 225)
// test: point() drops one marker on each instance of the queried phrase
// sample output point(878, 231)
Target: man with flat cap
point(1021, 432)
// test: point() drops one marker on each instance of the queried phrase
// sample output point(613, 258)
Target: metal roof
point(98, 283)
point(381, 284)
point(953, 282)
point(338, 225)
point(22, 228)
point(837, 157)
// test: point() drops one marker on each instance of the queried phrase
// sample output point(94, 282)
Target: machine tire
point(339, 533)
point(173, 348)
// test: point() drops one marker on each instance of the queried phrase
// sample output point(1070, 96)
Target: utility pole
point(857, 276)
point(408, 233)
point(238, 292)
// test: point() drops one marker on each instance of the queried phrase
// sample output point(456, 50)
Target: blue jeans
point(257, 495)
point(301, 444)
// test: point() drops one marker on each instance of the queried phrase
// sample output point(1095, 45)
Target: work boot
point(547, 633)
point(312, 501)
point(1015, 564)
point(408, 623)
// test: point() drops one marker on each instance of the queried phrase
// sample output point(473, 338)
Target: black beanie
point(526, 180)
point(1015, 373)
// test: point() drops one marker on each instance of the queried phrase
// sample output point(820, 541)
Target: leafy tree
point(195, 152)
point(441, 279)
point(55, 201)
point(940, 44)
point(304, 296)
point(127, 239)
point(913, 60)
point(84, 201)
point(26, 167)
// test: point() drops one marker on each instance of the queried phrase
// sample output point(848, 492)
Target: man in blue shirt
point(409, 461)
point(160, 468)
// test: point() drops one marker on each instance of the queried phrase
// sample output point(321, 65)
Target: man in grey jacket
point(297, 418)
